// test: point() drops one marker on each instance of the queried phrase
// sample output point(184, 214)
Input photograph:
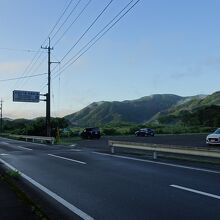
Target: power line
point(66, 8)
point(37, 56)
point(66, 65)
point(66, 19)
point(19, 50)
point(81, 12)
point(96, 19)
point(24, 77)
point(34, 70)
point(102, 30)
point(85, 32)
point(38, 53)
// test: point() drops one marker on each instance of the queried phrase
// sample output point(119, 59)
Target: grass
point(14, 174)
point(11, 178)
point(68, 140)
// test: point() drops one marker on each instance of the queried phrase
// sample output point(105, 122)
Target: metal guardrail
point(42, 139)
point(155, 148)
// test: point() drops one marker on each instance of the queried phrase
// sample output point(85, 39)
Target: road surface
point(100, 186)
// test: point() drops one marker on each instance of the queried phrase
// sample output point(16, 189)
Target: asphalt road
point(110, 187)
point(191, 140)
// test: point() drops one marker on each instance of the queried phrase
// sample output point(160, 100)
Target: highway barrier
point(41, 139)
point(156, 148)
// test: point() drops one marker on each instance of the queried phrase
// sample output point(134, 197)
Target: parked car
point(143, 132)
point(213, 138)
point(91, 133)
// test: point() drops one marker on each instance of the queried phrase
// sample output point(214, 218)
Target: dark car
point(91, 133)
point(145, 132)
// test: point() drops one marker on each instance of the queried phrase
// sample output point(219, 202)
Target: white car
point(213, 138)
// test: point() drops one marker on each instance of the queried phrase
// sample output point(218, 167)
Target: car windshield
point(217, 131)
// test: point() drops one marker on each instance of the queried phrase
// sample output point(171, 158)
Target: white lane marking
point(64, 158)
point(4, 154)
point(68, 205)
point(3, 142)
point(33, 143)
point(196, 191)
point(73, 145)
point(77, 150)
point(24, 148)
point(161, 163)
point(15, 146)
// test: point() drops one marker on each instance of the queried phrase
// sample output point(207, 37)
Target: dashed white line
point(24, 148)
point(4, 154)
point(196, 191)
point(161, 163)
point(64, 158)
point(77, 150)
point(68, 205)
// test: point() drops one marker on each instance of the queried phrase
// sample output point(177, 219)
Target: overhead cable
point(66, 19)
point(81, 12)
point(68, 63)
point(17, 78)
point(38, 54)
point(19, 50)
point(59, 19)
point(80, 38)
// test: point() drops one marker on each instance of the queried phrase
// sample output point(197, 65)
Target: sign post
point(26, 96)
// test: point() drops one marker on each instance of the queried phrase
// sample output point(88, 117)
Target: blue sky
point(158, 47)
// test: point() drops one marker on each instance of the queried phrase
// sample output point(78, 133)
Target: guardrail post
point(154, 155)
point(112, 149)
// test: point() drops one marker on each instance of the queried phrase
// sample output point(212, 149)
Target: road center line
point(161, 163)
point(25, 148)
point(64, 158)
point(196, 191)
point(68, 205)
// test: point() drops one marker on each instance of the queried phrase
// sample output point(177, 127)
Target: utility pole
point(1, 117)
point(48, 124)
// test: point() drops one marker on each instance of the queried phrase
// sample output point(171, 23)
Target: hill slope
point(198, 110)
point(135, 111)
point(165, 109)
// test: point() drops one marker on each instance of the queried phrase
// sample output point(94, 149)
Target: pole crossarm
point(48, 124)
point(48, 94)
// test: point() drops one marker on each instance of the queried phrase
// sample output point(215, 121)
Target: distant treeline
point(33, 127)
point(201, 120)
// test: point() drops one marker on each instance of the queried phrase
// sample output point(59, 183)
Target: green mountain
point(162, 109)
point(198, 110)
point(134, 111)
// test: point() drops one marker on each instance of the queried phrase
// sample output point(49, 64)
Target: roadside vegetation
point(166, 114)
point(68, 133)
